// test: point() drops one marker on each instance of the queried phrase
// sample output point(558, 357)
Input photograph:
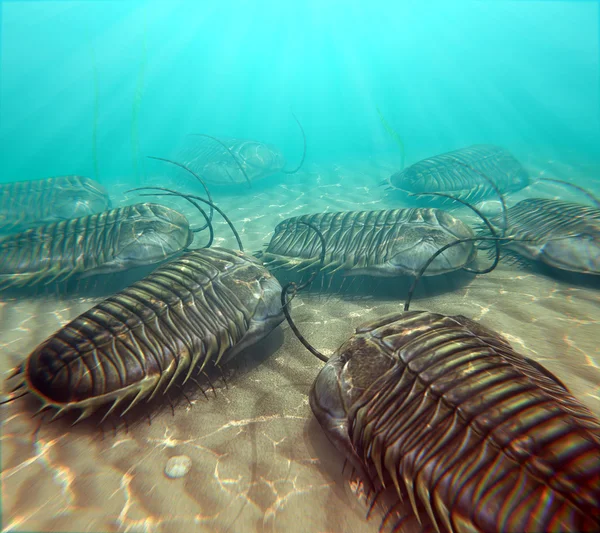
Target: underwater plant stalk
point(394, 134)
point(137, 100)
point(96, 108)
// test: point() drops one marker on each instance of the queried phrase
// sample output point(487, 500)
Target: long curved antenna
point(230, 153)
point(303, 151)
point(434, 255)
point(594, 200)
point(180, 165)
point(496, 190)
point(460, 241)
point(293, 289)
point(195, 204)
point(482, 217)
point(170, 192)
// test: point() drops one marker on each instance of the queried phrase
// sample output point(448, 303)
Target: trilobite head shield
point(267, 309)
point(352, 370)
point(155, 233)
point(86, 199)
point(426, 232)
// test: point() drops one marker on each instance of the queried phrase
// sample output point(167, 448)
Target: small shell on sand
point(178, 466)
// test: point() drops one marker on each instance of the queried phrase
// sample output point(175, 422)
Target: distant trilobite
point(24, 204)
point(228, 160)
point(108, 242)
point(380, 243)
point(471, 173)
point(561, 234)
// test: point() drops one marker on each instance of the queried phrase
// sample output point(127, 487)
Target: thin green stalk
point(137, 100)
point(96, 111)
point(394, 136)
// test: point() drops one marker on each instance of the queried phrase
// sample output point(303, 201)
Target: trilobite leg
point(185, 396)
point(210, 383)
point(377, 493)
point(388, 514)
point(171, 404)
point(222, 375)
point(200, 387)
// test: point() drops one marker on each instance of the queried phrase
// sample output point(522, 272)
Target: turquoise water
point(94, 87)
point(138, 76)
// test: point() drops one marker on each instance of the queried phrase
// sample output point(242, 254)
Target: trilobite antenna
point(192, 378)
point(171, 192)
point(496, 190)
point(181, 165)
point(461, 241)
point(482, 217)
point(211, 233)
point(303, 151)
point(230, 153)
point(293, 289)
point(587, 193)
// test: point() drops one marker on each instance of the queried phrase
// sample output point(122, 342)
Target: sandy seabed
point(259, 460)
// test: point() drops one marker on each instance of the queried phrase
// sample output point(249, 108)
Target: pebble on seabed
point(178, 466)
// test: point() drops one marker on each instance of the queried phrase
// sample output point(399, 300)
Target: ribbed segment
point(367, 240)
point(542, 218)
point(480, 438)
point(564, 235)
point(57, 251)
point(26, 203)
point(459, 173)
point(211, 160)
point(183, 314)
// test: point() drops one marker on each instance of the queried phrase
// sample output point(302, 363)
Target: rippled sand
point(259, 460)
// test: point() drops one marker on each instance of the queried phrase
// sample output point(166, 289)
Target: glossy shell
point(475, 436)
point(24, 204)
point(561, 234)
point(459, 173)
point(375, 243)
point(206, 306)
point(108, 242)
point(215, 164)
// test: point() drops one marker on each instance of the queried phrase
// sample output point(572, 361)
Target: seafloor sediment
point(260, 462)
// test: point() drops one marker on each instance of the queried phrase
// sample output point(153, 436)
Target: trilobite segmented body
point(480, 438)
point(375, 243)
point(28, 203)
point(205, 306)
point(217, 165)
point(564, 235)
point(107, 242)
point(463, 173)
